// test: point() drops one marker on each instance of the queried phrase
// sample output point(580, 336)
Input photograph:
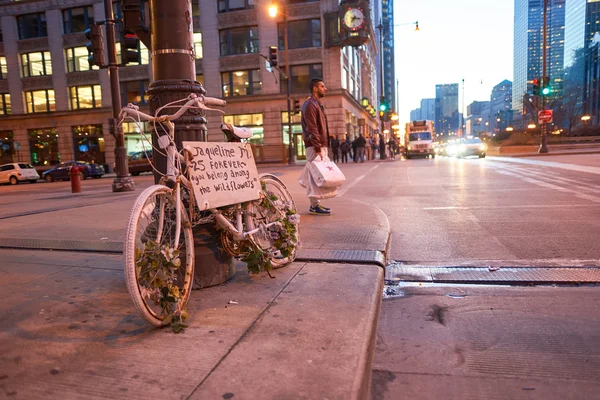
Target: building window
point(7, 147)
point(3, 68)
point(85, 97)
point(138, 136)
point(301, 34)
point(232, 5)
point(5, 107)
point(241, 83)
point(200, 79)
point(77, 59)
point(198, 45)
point(238, 41)
point(36, 64)
point(88, 143)
point(40, 101)
point(252, 121)
point(296, 126)
point(32, 25)
point(301, 76)
point(136, 91)
point(78, 19)
point(43, 145)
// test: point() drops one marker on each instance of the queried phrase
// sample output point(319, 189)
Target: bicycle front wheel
point(275, 208)
point(158, 271)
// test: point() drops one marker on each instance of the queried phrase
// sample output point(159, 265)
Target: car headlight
point(409, 148)
point(482, 147)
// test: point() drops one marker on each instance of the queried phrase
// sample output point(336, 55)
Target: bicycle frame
point(173, 174)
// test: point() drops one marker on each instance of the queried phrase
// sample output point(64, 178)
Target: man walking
point(315, 134)
point(361, 142)
point(335, 148)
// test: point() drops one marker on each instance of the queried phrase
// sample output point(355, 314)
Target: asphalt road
point(478, 341)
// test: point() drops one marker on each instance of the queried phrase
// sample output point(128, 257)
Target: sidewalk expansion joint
point(91, 246)
point(375, 257)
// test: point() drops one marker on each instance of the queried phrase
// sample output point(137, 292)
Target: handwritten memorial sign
point(222, 173)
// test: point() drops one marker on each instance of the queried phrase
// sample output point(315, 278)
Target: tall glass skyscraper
point(528, 43)
point(446, 109)
point(389, 74)
point(582, 65)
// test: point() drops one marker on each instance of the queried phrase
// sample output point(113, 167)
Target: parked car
point(139, 162)
point(61, 171)
point(14, 173)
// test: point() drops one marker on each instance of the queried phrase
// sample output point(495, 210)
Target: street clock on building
point(355, 23)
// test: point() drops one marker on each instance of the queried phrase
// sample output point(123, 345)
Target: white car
point(14, 173)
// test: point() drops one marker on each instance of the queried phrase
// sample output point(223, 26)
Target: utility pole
point(381, 115)
point(462, 111)
point(122, 182)
point(288, 88)
point(544, 138)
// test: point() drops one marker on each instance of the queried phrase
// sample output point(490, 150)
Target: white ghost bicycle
point(159, 245)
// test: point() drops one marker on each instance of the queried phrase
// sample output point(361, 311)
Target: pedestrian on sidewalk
point(315, 134)
point(354, 150)
point(381, 148)
point(345, 147)
point(361, 142)
point(373, 144)
point(335, 148)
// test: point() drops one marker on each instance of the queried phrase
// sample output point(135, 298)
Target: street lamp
point(509, 129)
point(273, 11)
point(531, 126)
point(585, 119)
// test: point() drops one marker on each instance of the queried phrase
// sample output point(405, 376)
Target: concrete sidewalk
point(69, 328)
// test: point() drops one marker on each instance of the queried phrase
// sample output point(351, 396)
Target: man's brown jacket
point(314, 124)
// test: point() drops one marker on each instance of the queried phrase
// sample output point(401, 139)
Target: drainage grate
point(342, 256)
point(495, 275)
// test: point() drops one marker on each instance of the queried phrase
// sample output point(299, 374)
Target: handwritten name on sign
point(222, 173)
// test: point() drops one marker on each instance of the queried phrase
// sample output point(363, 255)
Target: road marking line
point(360, 178)
point(572, 167)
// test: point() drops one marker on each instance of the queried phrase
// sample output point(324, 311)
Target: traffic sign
point(545, 116)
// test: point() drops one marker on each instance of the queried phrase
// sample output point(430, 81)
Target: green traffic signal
point(383, 107)
point(546, 91)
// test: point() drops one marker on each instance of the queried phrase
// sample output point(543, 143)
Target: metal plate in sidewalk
point(94, 246)
point(345, 256)
point(495, 275)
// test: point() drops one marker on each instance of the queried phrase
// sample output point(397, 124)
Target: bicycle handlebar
point(202, 102)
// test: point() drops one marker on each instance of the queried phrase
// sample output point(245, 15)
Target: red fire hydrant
point(75, 175)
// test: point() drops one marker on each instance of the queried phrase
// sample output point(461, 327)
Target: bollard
point(75, 176)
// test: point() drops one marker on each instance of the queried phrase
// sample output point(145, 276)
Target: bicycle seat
point(238, 132)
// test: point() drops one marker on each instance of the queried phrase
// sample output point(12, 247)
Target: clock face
point(354, 18)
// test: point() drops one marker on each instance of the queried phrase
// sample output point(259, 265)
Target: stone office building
point(54, 107)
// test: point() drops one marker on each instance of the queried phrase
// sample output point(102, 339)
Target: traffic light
point(546, 86)
point(296, 106)
point(130, 49)
point(95, 46)
point(536, 86)
point(273, 56)
point(383, 106)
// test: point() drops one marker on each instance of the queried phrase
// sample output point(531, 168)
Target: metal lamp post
point(122, 182)
point(273, 13)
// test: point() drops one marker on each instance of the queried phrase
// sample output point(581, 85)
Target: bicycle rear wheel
point(276, 204)
point(159, 274)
